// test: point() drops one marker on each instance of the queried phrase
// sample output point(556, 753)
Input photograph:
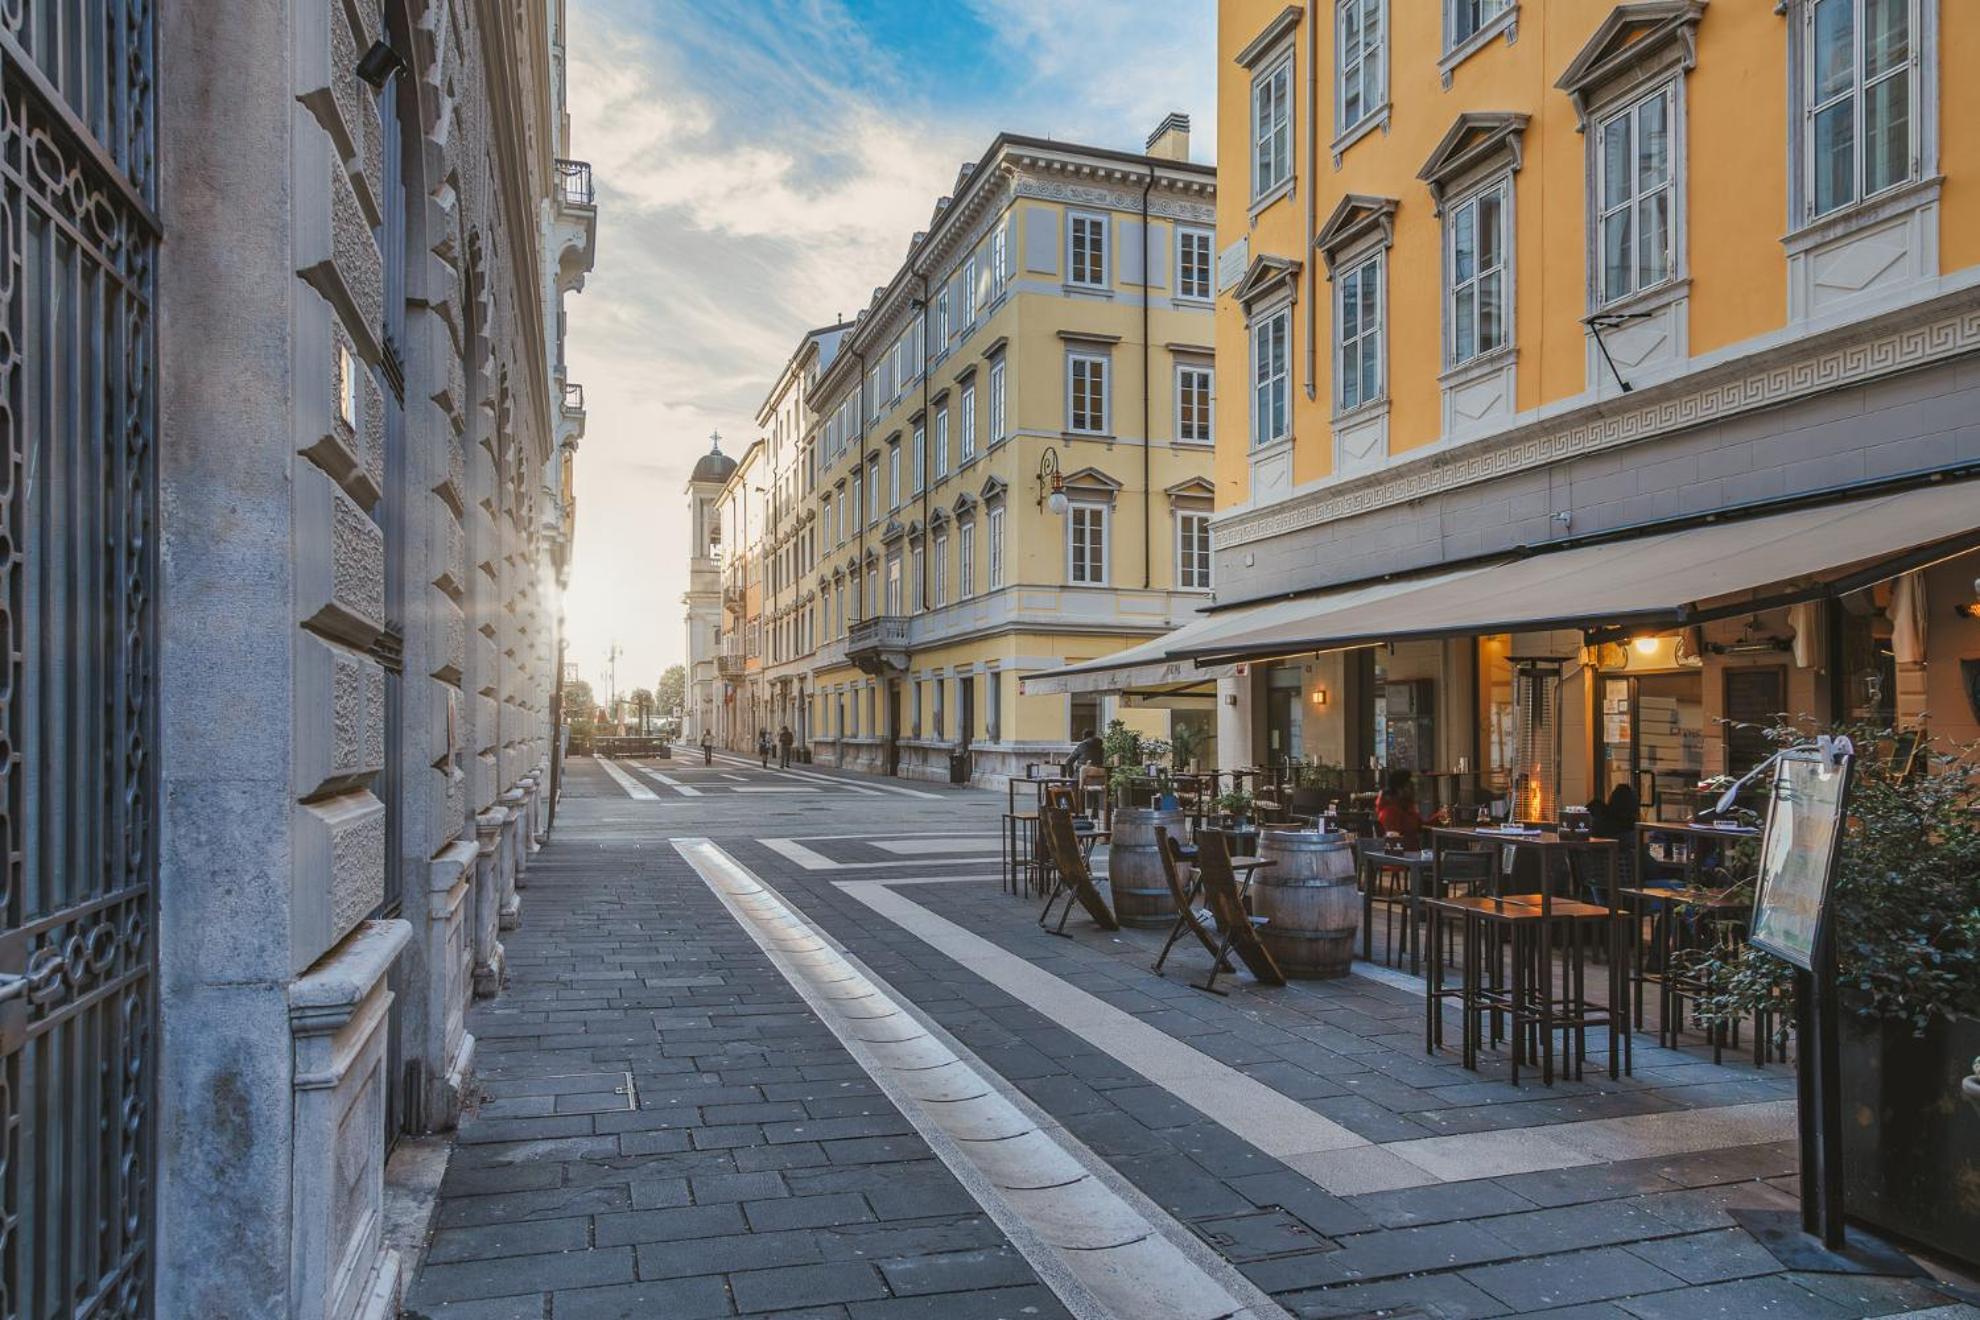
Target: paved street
point(778, 1043)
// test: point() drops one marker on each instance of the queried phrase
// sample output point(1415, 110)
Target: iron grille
point(574, 183)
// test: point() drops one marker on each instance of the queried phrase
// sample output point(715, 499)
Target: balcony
point(574, 224)
point(570, 416)
point(879, 646)
point(731, 665)
point(735, 598)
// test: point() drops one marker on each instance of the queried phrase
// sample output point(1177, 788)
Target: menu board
point(1798, 855)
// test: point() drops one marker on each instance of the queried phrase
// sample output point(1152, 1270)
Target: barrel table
point(1310, 900)
point(1134, 866)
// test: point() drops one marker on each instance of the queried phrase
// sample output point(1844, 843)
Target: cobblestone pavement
point(671, 1126)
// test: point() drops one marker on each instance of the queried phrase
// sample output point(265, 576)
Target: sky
point(760, 167)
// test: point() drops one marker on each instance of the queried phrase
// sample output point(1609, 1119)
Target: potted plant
point(1236, 804)
point(1185, 745)
point(1906, 911)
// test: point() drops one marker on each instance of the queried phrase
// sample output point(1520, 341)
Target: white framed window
point(968, 406)
point(1358, 334)
point(1194, 388)
point(1000, 252)
point(828, 522)
point(1271, 128)
point(349, 405)
point(969, 290)
point(845, 525)
point(1361, 53)
point(965, 561)
point(1086, 254)
point(1476, 232)
point(997, 417)
point(920, 457)
point(1194, 263)
point(859, 494)
point(942, 442)
point(1086, 393)
point(993, 535)
point(1193, 551)
point(942, 321)
point(1861, 93)
point(873, 491)
point(1465, 19)
point(920, 558)
point(941, 569)
point(858, 610)
point(1634, 191)
point(1271, 377)
point(894, 585)
point(1086, 545)
point(893, 476)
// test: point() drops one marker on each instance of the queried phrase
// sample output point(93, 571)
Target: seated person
point(1396, 810)
point(1616, 817)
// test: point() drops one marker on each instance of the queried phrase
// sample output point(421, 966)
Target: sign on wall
point(1798, 854)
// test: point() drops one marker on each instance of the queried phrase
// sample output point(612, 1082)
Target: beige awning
point(1661, 580)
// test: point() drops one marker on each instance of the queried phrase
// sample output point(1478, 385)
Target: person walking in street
point(784, 741)
point(763, 746)
point(707, 748)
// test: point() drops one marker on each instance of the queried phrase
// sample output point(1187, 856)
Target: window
point(941, 692)
point(997, 431)
point(1193, 551)
point(1271, 129)
point(993, 533)
point(1193, 263)
point(857, 610)
point(894, 476)
point(1358, 324)
point(1271, 393)
point(1861, 100)
point(845, 528)
point(859, 492)
point(968, 407)
point(920, 457)
point(1087, 261)
point(1360, 47)
point(894, 584)
point(965, 561)
point(1086, 545)
point(942, 321)
point(1477, 229)
point(1086, 388)
point(942, 443)
point(347, 387)
point(1466, 18)
point(1000, 241)
point(873, 491)
point(941, 569)
point(969, 290)
point(1193, 388)
point(920, 575)
point(1634, 188)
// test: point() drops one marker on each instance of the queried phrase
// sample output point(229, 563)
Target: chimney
point(1170, 140)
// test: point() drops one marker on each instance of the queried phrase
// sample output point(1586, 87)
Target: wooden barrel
point(1134, 867)
point(1310, 898)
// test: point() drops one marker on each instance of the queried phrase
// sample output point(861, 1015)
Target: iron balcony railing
point(887, 632)
point(574, 183)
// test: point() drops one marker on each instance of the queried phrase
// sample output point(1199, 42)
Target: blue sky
point(760, 166)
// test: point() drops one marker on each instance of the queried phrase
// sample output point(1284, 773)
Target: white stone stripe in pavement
point(634, 789)
point(1337, 1159)
point(684, 790)
point(835, 781)
point(1096, 1248)
point(812, 860)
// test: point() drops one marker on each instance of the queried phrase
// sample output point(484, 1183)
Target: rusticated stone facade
point(365, 521)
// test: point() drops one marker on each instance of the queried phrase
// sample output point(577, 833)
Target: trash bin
point(959, 767)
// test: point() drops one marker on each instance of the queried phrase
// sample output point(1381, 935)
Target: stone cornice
point(1851, 355)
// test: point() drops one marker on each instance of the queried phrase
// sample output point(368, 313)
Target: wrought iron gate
point(78, 242)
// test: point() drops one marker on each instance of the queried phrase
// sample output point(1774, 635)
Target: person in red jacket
point(1396, 811)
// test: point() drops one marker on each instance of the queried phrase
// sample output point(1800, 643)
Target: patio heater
point(1536, 766)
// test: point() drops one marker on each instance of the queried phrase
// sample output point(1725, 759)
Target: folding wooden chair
point(1189, 917)
point(1239, 928)
point(1072, 876)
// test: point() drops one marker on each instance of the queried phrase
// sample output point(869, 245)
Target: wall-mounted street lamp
point(1051, 486)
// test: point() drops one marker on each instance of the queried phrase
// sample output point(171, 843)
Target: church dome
point(713, 466)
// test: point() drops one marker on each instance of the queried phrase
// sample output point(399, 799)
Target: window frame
point(1185, 551)
point(942, 441)
point(965, 560)
point(1628, 108)
point(1501, 183)
point(1187, 236)
point(999, 418)
point(993, 545)
point(1373, 339)
point(940, 554)
point(1482, 31)
point(1096, 224)
point(894, 476)
point(1281, 314)
point(1810, 106)
point(1105, 363)
point(1208, 391)
point(966, 408)
point(1092, 509)
point(1375, 94)
point(1265, 189)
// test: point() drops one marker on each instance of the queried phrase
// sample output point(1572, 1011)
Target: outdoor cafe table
point(1695, 837)
point(1551, 845)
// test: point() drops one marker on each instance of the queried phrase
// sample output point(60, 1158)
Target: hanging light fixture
point(1051, 486)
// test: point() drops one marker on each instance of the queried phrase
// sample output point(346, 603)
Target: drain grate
point(1261, 1235)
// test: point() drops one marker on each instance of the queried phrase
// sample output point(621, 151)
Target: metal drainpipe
point(1147, 394)
point(1312, 192)
point(924, 467)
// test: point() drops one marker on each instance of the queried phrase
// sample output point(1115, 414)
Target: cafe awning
point(1658, 580)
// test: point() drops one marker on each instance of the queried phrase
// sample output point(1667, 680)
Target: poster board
point(1798, 855)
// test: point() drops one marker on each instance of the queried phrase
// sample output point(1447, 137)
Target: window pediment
point(1191, 493)
point(1265, 278)
point(1091, 485)
point(1357, 218)
point(964, 505)
point(1476, 140)
point(892, 532)
point(993, 490)
point(1267, 41)
point(1636, 42)
point(938, 519)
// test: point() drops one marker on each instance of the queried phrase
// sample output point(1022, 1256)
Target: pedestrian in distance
point(707, 748)
point(784, 740)
point(763, 746)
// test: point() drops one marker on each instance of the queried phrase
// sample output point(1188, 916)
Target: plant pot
point(1911, 1149)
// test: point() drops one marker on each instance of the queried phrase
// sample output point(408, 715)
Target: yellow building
point(1008, 462)
point(1609, 371)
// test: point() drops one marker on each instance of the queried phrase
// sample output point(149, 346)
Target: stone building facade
point(702, 600)
point(364, 521)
